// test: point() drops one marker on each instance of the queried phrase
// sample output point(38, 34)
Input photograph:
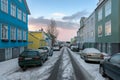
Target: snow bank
point(92, 69)
point(91, 50)
point(8, 67)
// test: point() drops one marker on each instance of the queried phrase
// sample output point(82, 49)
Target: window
point(19, 14)
point(92, 33)
point(13, 33)
point(108, 28)
point(13, 10)
point(100, 31)
point(20, 0)
point(24, 17)
point(19, 34)
point(100, 14)
point(4, 6)
point(4, 31)
point(108, 8)
point(24, 35)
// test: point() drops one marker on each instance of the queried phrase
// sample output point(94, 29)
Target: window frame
point(100, 12)
point(19, 14)
point(4, 6)
point(100, 31)
point(13, 33)
point(6, 34)
point(107, 26)
point(13, 10)
point(108, 8)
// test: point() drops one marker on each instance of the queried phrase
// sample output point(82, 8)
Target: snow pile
point(92, 69)
point(91, 50)
point(8, 67)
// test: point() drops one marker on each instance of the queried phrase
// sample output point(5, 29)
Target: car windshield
point(29, 53)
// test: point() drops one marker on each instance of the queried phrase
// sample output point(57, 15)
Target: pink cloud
point(64, 34)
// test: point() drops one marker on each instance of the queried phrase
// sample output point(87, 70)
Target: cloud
point(76, 16)
point(42, 21)
point(58, 14)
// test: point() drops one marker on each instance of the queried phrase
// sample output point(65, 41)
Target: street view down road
point(63, 65)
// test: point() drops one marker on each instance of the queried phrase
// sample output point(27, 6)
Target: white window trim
point(19, 14)
point(4, 7)
point(108, 22)
point(13, 9)
point(13, 37)
point(24, 17)
point(100, 12)
point(108, 6)
point(2, 32)
point(101, 31)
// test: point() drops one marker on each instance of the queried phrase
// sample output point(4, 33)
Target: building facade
point(108, 26)
point(89, 31)
point(13, 28)
point(81, 32)
point(38, 39)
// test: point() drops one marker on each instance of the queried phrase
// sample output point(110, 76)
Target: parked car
point(111, 67)
point(92, 54)
point(31, 58)
point(50, 50)
point(56, 47)
point(74, 47)
point(45, 50)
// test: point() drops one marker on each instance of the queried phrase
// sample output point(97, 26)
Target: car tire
point(24, 68)
point(41, 62)
point(102, 72)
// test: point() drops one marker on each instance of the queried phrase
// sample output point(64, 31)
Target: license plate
point(28, 58)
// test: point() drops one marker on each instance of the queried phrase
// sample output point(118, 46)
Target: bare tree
point(52, 30)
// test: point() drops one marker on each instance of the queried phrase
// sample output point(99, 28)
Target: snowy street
point(63, 65)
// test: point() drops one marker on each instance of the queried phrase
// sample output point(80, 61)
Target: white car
point(92, 54)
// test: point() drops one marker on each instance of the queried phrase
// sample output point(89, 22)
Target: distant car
point(111, 67)
point(92, 54)
point(56, 47)
point(74, 47)
point(31, 58)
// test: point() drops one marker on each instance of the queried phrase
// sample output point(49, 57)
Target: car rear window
point(29, 53)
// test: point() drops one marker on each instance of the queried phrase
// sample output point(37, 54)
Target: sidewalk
point(7, 67)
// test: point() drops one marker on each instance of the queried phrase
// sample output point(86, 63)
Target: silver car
point(92, 54)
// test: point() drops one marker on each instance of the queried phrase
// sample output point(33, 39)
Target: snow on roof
point(91, 50)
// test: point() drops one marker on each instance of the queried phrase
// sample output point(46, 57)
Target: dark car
point(56, 47)
point(31, 58)
point(74, 47)
point(111, 67)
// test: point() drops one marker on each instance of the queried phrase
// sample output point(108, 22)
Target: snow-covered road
point(66, 68)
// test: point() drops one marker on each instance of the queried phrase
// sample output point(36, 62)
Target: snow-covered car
point(111, 67)
point(92, 54)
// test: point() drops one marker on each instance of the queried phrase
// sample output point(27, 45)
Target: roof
point(27, 7)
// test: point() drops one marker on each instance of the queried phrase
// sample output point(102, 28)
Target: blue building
point(13, 28)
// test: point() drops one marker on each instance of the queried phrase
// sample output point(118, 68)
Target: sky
point(66, 13)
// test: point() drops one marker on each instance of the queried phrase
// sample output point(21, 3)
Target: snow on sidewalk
point(92, 69)
point(7, 67)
